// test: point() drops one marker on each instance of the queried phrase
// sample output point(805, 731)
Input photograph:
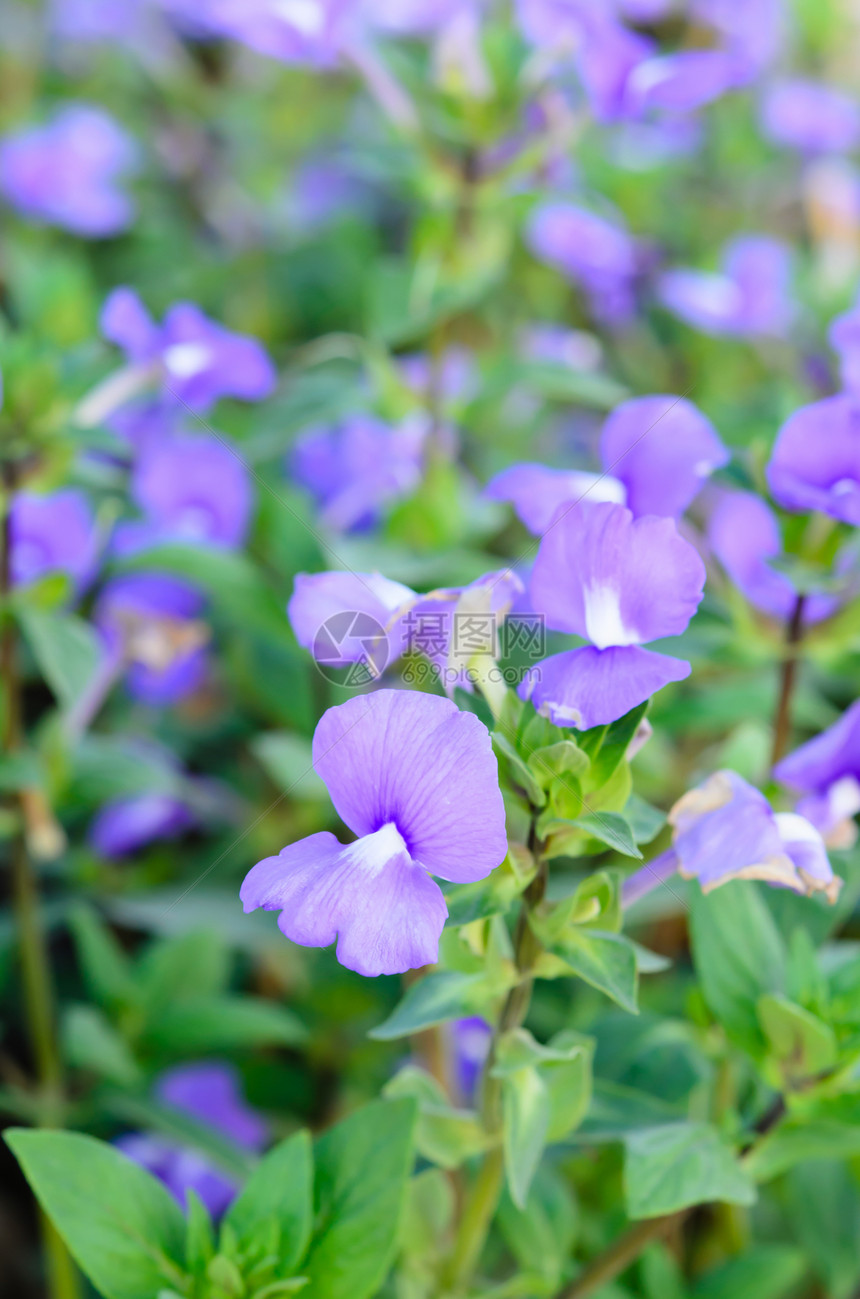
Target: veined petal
point(616, 580)
point(815, 463)
point(592, 687)
point(538, 492)
point(383, 908)
point(417, 761)
point(366, 602)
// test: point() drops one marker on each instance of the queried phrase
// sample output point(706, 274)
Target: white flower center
point(187, 359)
point(603, 622)
point(372, 852)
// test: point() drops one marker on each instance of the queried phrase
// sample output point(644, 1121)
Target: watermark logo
point(351, 643)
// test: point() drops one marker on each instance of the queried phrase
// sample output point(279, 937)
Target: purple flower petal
point(126, 322)
point(616, 580)
point(210, 1091)
point(811, 117)
point(54, 533)
point(744, 535)
point(592, 687)
point(204, 361)
point(662, 448)
point(194, 488)
point(589, 250)
point(684, 81)
point(416, 761)
point(127, 824)
point(538, 492)
point(815, 464)
point(845, 339)
point(319, 597)
point(819, 763)
point(383, 908)
point(749, 298)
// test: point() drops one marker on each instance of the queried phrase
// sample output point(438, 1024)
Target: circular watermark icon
point(351, 648)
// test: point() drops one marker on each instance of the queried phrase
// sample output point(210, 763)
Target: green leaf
point(106, 969)
point(91, 1042)
point(568, 1082)
point(671, 1167)
point(120, 1224)
point(277, 1200)
point(67, 650)
point(801, 1043)
point(525, 1112)
point(564, 758)
point(193, 965)
point(796, 1141)
point(362, 1167)
point(20, 770)
point(114, 766)
point(541, 1235)
point(439, 996)
point(613, 747)
point(739, 956)
point(644, 820)
point(519, 770)
point(444, 1135)
point(200, 1239)
point(612, 829)
point(286, 758)
point(761, 1272)
point(605, 960)
point(198, 1024)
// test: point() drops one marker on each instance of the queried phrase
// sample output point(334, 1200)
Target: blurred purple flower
point(417, 781)
point(619, 582)
point(68, 172)
point(815, 463)
point(726, 830)
point(355, 468)
point(753, 30)
point(748, 296)
point(190, 488)
point(684, 81)
point(662, 448)
point(810, 116)
point(470, 1040)
point(589, 250)
point(197, 360)
point(151, 627)
point(558, 345)
point(95, 21)
point(54, 533)
point(127, 824)
point(323, 189)
point(537, 492)
point(452, 378)
point(744, 535)
point(845, 340)
point(306, 32)
point(826, 770)
point(210, 1093)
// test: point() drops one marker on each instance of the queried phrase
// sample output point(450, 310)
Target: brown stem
point(621, 1254)
point(782, 719)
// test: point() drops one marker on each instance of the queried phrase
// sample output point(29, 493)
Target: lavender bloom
point(355, 468)
point(744, 535)
point(417, 781)
point(810, 117)
point(684, 81)
point(94, 21)
point(749, 296)
point(304, 33)
point(127, 824)
point(845, 339)
point(556, 345)
point(197, 360)
point(753, 31)
point(54, 533)
point(726, 830)
point(538, 493)
point(662, 448)
point(619, 582)
point(826, 770)
point(471, 1044)
point(151, 627)
point(815, 463)
point(451, 379)
point(68, 172)
point(191, 488)
point(589, 250)
point(209, 1092)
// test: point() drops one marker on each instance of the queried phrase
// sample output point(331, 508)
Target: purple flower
point(197, 360)
point(151, 626)
point(619, 582)
point(537, 492)
point(726, 830)
point(192, 488)
point(94, 21)
point(589, 250)
point(364, 605)
point(209, 1092)
point(826, 770)
point(417, 782)
point(68, 172)
point(127, 824)
point(815, 463)
point(355, 468)
point(749, 296)
point(54, 533)
point(470, 1039)
point(556, 345)
point(811, 117)
point(307, 32)
point(684, 81)
point(744, 535)
point(753, 30)
point(450, 379)
point(662, 448)
point(845, 339)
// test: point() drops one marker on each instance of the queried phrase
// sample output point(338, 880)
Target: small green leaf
point(801, 1043)
point(279, 1192)
point(106, 969)
point(67, 650)
point(613, 746)
point(525, 1112)
point(671, 1167)
point(797, 1141)
point(564, 758)
point(541, 1236)
point(605, 960)
point(91, 1042)
point(644, 820)
point(121, 1225)
point(200, 1239)
point(438, 996)
point(761, 1272)
point(196, 964)
point(198, 1024)
point(286, 757)
point(520, 772)
point(444, 1135)
point(362, 1168)
point(612, 829)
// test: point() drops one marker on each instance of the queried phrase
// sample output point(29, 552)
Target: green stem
point(788, 676)
point(35, 965)
point(484, 1194)
point(620, 1254)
